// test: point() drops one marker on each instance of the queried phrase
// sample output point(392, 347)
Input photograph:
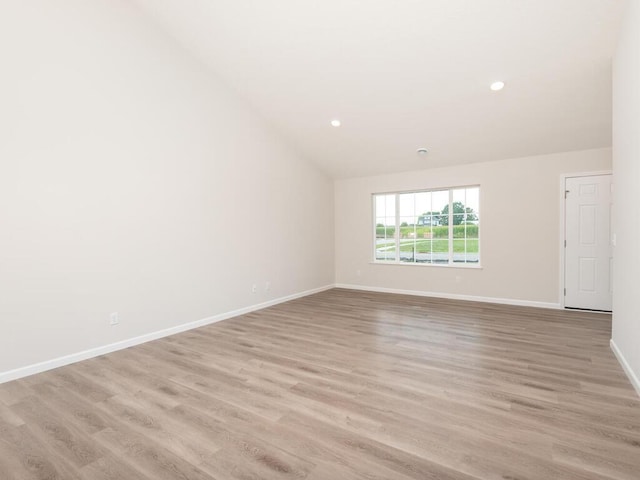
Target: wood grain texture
point(338, 385)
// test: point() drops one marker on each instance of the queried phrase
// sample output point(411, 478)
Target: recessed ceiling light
point(335, 123)
point(422, 151)
point(496, 86)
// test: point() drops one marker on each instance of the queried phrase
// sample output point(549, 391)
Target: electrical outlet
point(254, 288)
point(114, 319)
point(267, 286)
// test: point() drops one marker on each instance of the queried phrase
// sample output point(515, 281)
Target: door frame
point(563, 182)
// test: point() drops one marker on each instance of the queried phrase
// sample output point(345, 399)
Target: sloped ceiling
point(405, 74)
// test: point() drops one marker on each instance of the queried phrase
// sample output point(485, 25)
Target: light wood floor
point(339, 385)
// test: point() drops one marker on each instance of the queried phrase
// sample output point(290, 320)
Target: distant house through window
point(428, 227)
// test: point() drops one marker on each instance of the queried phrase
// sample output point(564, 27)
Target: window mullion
point(397, 232)
point(450, 226)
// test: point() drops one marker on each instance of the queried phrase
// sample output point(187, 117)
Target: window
point(428, 227)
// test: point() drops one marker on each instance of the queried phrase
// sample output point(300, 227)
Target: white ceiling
point(402, 74)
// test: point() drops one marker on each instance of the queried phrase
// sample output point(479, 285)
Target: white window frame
point(396, 234)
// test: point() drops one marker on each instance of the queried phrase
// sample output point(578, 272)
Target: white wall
point(626, 177)
point(131, 180)
point(519, 228)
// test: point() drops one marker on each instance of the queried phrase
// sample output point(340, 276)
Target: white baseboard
point(112, 347)
point(633, 378)
point(452, 296)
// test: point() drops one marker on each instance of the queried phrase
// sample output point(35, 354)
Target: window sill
point(475, 266)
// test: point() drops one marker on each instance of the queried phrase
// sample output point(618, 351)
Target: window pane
point(407, 251)
point(423, 209)
point(459, 250)
point(386, 250)
point(473, 198)
point(439, 200)
point(440, 250)
point(473, 250)
point(380, 202)
point(465, 224)
point(440, 237)
point(407, 205)
point(407, 227)
point(472, 230)
point(472, 224)
point(407, 239)
point(428, 251)
point(424, 248)
point(385, 215)
point(440, 206)
point(423, 203)
point(390, 205)
point(385, 205)
point(459, 195)
point(385, 241)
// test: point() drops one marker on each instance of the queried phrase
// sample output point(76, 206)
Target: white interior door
point(588, 252)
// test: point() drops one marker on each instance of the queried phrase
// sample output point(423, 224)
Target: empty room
point(320, 240)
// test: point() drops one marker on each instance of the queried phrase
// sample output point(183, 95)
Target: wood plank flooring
point(338, 385)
